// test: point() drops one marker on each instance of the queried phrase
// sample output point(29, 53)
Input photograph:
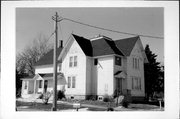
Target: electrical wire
point(112, 30)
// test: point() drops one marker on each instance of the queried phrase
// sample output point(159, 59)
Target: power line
point(112, 30)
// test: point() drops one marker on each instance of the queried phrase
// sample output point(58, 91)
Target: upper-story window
point(95, 61)
point(118, 61)
point(72, 61)
point(135, 63)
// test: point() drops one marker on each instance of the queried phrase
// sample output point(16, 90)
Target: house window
point(25, 85)
point(40, 83)
point(95, 61)
point(117, 60)
point(136, 83)
point(70, 61)
point(135, 63)
point(69, 82)
point(72, 82)
point(59, 65)
point(73, 61)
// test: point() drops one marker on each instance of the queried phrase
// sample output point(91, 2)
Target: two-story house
point(92, 67)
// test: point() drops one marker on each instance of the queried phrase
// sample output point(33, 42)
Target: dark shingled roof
point(85, 45)
point(95, 48)
point(104, 47)
point(47, 75)
point(48, 57)
point(126, 45)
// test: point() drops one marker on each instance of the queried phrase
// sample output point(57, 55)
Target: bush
point(60, 95)
point(108, 98)
point(125, 104)
point(40, 96)
point(92, 97)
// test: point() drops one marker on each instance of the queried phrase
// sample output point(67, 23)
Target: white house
point(92, 67)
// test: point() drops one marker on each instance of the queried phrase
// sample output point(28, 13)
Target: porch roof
point(50, 75)
point(120, 74)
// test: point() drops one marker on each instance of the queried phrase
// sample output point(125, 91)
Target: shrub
point(60, 95)
point(40, 96)
point(92, 97)
point(108, 98)
point(125, 104)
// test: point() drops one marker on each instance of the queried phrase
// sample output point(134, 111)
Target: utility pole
point(57, 19)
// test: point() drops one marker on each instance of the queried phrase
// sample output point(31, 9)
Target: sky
point(31, 22)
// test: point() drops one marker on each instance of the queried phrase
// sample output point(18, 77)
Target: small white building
point(92, 67)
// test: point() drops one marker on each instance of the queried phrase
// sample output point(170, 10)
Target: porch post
point(34, 86)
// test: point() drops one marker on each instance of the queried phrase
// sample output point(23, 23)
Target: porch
point(41, 83)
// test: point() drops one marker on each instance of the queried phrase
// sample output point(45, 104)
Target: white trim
point(65, 48)
point(100, 37)
point(106, 56)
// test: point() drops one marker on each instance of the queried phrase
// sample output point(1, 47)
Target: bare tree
point(31, 54)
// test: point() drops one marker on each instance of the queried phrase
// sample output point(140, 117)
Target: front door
point(45, 85)
point(119, 85)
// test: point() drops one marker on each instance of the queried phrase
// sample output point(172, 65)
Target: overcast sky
point(30, 22)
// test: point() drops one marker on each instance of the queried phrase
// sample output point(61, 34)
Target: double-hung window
point(70, 61)
point(136, 83)
point(73, 61)
point(71, 82)
point(135, 63)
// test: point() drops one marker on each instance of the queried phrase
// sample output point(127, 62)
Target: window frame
point(40, 84)
point(136, 83)
point(71, 61)
point(75, 61)
point(69, 82)
point(117, 62)
point(73, 82)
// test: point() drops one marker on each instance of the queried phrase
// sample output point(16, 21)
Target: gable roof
point(104, 46)
point(47, 59)
point(126, 45)
point(85, 45)
point(94, 48)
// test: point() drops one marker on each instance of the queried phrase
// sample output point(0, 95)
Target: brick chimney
point(61, 43)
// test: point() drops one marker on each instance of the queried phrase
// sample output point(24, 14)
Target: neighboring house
point(92, 67)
